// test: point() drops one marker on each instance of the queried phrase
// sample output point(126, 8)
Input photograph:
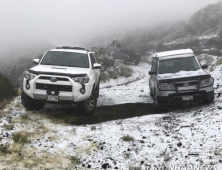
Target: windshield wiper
point(48, 64)
point(190, 70)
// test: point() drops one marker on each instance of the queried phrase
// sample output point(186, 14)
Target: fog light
point(82, 91)
point(27, 86)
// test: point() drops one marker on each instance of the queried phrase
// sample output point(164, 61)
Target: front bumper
point(177, 98)
point(73, 96)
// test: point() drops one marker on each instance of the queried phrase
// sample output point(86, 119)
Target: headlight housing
point(166, 86)
point(207, 82)
point(81, 79)
point(29, 76)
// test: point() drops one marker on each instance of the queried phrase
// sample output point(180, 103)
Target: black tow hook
point(83, 89)
point(27, 85)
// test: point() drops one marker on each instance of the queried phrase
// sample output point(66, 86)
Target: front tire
point(88, 106)
point(31, 104)
point(97, 90)
point(158, 105)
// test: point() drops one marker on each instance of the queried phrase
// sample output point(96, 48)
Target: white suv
point(63, 75)
point(177, 76)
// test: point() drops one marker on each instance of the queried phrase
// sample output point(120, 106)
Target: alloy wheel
point(90, 103)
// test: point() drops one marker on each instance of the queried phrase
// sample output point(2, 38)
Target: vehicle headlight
point(207, 82)
point(166, 86)
point(81, 79)
point(29, 76)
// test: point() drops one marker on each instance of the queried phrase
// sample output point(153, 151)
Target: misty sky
point(73, 21)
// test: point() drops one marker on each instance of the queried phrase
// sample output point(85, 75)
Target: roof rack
point(173, 53)
point(74, 48)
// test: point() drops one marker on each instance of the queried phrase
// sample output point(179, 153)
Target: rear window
point(178, 64)
point(69, 59)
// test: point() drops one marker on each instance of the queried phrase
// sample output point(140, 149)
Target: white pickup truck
point(63, 75)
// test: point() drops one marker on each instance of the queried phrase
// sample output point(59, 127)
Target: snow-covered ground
point(127, 90)
point(188, 136)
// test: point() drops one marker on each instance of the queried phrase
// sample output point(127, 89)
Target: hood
point(47, 69)
point(183, 74)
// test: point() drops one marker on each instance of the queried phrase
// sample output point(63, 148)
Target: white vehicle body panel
point(63, 72)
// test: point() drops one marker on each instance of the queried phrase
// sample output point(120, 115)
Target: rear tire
point(31, 104)
point(88, 106)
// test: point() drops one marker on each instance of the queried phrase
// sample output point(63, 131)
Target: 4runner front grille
point(51, 87)
point(58, 78)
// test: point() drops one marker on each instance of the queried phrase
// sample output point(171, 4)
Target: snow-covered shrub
point(106, 61)
point(125, 71)
point(6, 88)
point(205, 59)
point(116, 72)
point(218, 62)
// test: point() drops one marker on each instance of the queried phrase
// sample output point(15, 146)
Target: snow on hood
point(182, 74)
point(60, 69)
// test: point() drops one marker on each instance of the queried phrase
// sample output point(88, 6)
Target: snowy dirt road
point(134, 89)
point(127, 136)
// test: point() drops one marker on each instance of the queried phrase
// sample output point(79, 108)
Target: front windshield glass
point(178, 64)
point(69, 59)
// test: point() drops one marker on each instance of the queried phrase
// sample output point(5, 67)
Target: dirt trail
point(70, 115)
point(123, 111)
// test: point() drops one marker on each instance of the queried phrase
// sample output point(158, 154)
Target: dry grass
point(165, 155)
point(63, 117)
point(21, 138)
point(75, 160)
point(4, 148)
point(127, 138)
point(24, 118)
point(8, 126)
point(126, 155)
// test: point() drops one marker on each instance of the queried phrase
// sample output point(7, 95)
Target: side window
point(153, 65)
point(92, 58)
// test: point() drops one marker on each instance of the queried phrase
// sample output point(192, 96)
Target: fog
point(74, 22)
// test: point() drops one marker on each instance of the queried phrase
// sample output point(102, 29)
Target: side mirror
point(204, 66)
point(36, 61)
point(152, 73)
point(97, 66)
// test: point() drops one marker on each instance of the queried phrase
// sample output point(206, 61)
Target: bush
point(20, 138)
point(6, 88)
point(125, 71)
point(4, 148)
point(106, 61)
point(75, 160)
point(127, 138)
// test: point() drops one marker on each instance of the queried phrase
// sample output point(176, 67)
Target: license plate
point(187, 98)
point(52, 98)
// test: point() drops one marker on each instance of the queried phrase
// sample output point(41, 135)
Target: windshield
point(178, 64)
point(69, 59)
